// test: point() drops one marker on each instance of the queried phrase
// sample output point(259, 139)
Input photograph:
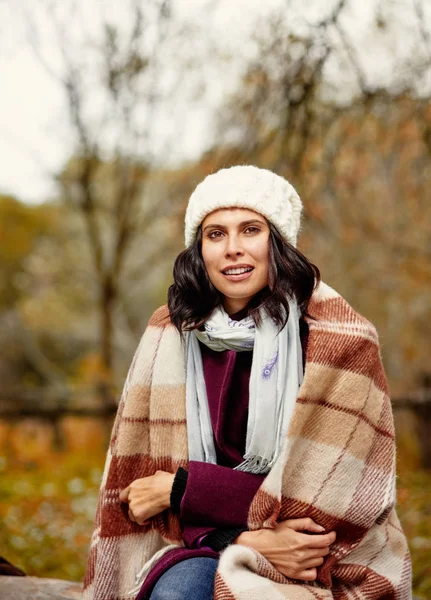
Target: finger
point(309, 554)
point(312, 562)
point(317, 552)
point(132, 516)
point(318, 541)
point(307, 575)
point(304, 524)
point(124, 495)
point(139, 516)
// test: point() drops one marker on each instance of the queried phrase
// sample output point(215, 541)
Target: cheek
point(261, 253)
point(209, 258)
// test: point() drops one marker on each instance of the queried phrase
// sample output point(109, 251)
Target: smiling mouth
point(238, 274)
point(238, 271)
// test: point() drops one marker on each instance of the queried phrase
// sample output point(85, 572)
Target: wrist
point(243, 538)
point(249, 538)
point(168, 493)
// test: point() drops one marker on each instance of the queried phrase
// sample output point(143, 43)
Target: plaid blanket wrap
point(337, 467)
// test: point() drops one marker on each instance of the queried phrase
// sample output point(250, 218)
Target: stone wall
point(35, 588)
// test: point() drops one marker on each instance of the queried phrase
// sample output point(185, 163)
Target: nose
point(233, 246)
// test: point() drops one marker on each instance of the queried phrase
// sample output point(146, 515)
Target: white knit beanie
point(246, 187)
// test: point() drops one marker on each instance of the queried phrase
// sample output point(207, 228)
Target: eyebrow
point(242, 224)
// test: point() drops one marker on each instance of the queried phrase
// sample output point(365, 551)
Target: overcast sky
point(34, 138)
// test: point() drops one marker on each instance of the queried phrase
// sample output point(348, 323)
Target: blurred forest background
point(341, 109)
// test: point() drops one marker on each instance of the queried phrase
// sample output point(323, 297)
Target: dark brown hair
point(192, 297)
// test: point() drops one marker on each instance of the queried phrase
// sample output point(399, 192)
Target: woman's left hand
point(148, 496)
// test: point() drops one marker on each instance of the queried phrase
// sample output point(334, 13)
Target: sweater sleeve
point(197, 537)
point(178, 489)
point(220, 539)
point(217, 496)
point(208, 537)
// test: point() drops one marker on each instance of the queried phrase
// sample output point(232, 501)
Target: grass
point(48, 500)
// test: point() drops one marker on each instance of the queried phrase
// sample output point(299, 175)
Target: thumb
point(124, 495)
point(304, 524)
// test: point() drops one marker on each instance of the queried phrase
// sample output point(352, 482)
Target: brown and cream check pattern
point(337, 467)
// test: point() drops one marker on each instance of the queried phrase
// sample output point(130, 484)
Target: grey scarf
point(276, 374)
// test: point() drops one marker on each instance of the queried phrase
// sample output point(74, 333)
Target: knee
point(166, 590)
point(192, 579)
point(165, 593)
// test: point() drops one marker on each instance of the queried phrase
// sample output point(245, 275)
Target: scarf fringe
point(257, 465)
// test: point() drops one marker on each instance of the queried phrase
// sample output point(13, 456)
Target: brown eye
point(214, 234)
point(251, 229)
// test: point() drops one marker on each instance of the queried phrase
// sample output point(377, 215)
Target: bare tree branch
point(110, 208)
point(425, 34)
point(334, 15)
point(354, 60)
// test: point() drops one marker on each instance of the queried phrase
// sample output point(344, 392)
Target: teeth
point(238, 271)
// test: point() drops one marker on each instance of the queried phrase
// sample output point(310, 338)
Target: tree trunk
point(106, 382)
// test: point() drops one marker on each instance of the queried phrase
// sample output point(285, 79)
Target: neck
point(234, 305)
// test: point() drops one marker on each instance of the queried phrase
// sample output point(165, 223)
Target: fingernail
point(321, 528)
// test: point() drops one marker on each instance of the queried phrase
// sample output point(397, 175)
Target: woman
point(255, 420)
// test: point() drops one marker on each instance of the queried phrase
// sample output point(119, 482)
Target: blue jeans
point(191, 579)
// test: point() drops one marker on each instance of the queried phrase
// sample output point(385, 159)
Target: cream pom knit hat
point(246, 187)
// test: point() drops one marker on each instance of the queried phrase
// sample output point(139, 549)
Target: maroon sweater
point(214, 500)
point(215, 496)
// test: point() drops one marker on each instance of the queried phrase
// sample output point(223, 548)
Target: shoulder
point(331, 310)
point(159, 326)
point(342, 338)
point(160, 331)
point(160, 317)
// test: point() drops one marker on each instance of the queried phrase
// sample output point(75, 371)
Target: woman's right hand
point(293, 553)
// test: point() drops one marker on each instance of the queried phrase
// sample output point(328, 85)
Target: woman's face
point(235, 250)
